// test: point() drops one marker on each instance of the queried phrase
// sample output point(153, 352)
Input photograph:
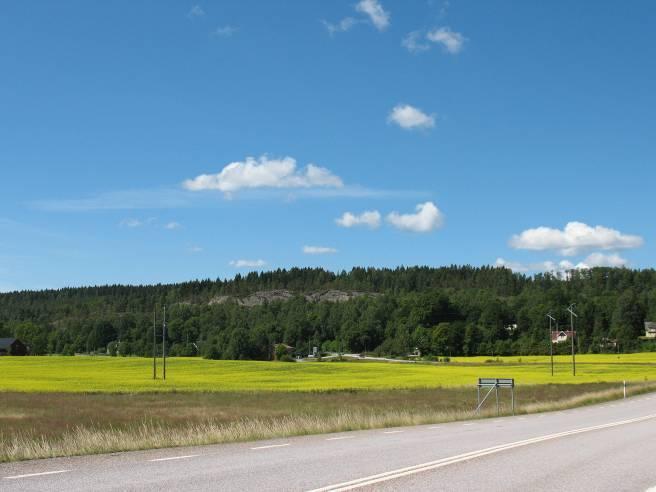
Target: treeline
point(457, 310)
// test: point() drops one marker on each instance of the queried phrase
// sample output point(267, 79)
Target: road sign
point(494, 384)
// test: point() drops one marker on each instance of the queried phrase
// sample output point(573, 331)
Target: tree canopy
point(455, 310)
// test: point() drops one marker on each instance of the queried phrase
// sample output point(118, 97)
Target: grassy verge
point(42, 425)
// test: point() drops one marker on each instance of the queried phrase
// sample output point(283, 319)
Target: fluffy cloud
point(543, 266)
point(172, 225)
point(131, 223)
point(196, 11)
point(195, 249)
point(374, 10)
point(409, 117)
point(369, 218)
point(342, 26)
point(427, 218)
point(225, 31)
point(591, 261)
point(264, 173)
point(413, 42)
point(318, 250)
point(450, 40)
point(602, 260)
point(248, 263)
point(576, 237)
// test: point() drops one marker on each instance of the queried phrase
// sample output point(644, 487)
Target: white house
point(561, 336)
point(650, 329)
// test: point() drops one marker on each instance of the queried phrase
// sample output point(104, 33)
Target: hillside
point(456, 310)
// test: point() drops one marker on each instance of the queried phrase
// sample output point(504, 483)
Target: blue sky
point(472, 132)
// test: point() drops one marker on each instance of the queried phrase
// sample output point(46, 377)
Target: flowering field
point(131, 374)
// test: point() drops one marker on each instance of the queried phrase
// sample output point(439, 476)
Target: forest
point(447, 311)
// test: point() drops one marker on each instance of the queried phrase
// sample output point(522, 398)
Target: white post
point(625, 389)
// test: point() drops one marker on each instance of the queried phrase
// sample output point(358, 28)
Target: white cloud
point(427, 218)
point(318, 250)
point(132, 223)
point(543, 266)
point(368, 218)
point(196, 11)
point(265, 173)
point(591, 261)
point(451, 41)
point(374, 10)
point(172, 225)
point(225, 31)
point(248, 263)
point(409, 117)
point(195, 249)
point(413, 42)
point(515, 266)
point(602, 260)
point(342, 26)
point(444, 9)
point(576, 237)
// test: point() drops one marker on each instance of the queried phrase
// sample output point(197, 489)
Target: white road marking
point(435, 427)
point(467, 424)
point(392, 432)
point(271, 446)
point(339, 438)
point(176, 457)
point(14, 477)
point(432, 465)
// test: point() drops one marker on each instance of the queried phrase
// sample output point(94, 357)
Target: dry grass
point(48, 425)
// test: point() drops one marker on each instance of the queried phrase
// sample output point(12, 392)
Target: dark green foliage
point(439, 311)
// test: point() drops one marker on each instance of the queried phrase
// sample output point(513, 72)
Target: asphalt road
point(602, 447)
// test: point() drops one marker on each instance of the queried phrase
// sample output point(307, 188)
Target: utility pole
point(164, 345)
point(572, 315)
point(155, 343)
point(551, 318)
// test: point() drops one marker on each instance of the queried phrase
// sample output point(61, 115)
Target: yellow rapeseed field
point(131, 374)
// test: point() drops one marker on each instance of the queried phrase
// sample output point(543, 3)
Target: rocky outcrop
point(335, 296)
point(266, 296)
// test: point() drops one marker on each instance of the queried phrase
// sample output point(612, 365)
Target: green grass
point(639, 358)
point(129, 375)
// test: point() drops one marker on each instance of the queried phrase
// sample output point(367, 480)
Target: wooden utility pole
point(164, 345)
point(571, 324)
point(551, 318)
point(155, 343)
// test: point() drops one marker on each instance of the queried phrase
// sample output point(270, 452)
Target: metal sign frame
point(494, 384)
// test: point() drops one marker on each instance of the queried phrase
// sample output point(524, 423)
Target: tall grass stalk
point(147, 434)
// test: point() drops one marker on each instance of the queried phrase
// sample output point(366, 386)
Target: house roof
point(5, 343)
point(555, 335)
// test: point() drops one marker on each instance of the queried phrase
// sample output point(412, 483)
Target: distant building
point(650, 329)
point(561, 336)
point(12, 346)
point(606, 343)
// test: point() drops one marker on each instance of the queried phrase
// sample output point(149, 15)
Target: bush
point(213, 353)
